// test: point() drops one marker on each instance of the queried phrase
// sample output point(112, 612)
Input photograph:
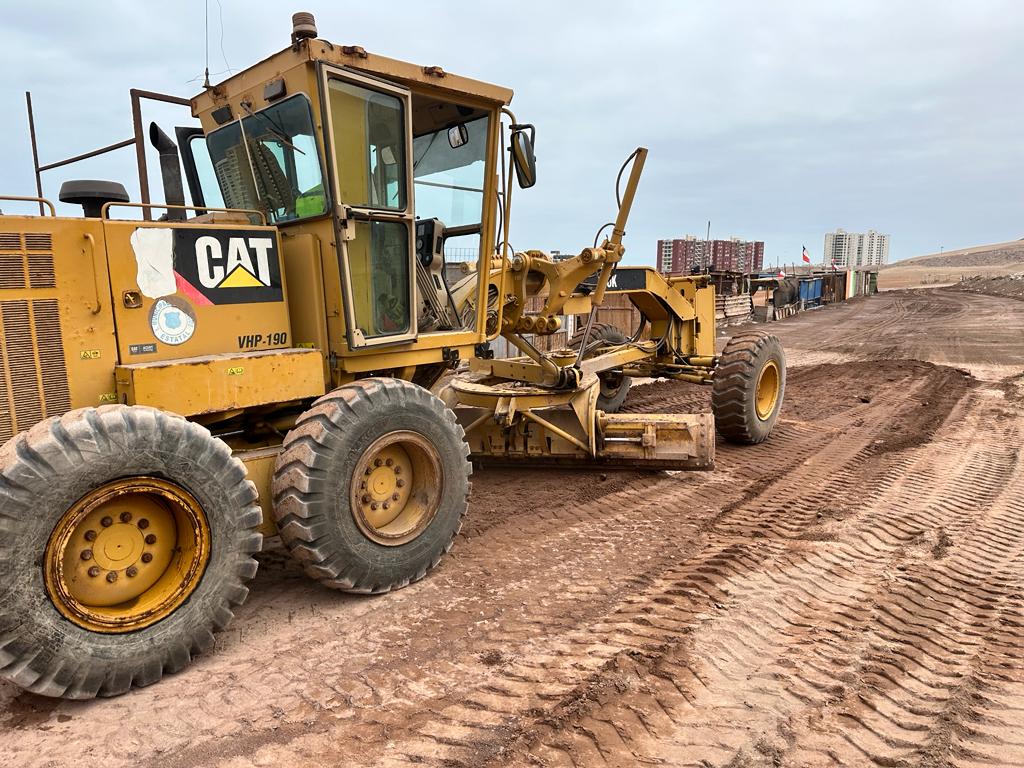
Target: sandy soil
point(849, 593)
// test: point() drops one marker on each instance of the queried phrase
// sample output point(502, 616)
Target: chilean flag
point(806, 257)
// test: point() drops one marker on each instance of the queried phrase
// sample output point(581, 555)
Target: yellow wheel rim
point(766, 394)
point(396, 488)
point(127, 555)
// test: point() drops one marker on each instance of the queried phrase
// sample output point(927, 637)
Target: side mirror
point(523, 159)
point(458, 136)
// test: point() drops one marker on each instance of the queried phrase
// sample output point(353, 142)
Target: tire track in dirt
point(811, 623)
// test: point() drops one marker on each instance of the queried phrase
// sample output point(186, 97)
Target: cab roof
point(353, 57)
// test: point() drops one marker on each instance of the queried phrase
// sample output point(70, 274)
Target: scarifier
point(262, 361)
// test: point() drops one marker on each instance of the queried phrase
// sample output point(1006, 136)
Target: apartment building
point(852, 249)
point(681, 256)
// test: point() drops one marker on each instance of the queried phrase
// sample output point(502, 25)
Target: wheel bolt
point(366, 498)
point(151, 539)
point(126, 517)
point(87, 554)
point(143, 523)
point(147, 557)
point(387, 505)
point(377, 462)
point(90, 535)
point(389, 462)
point(374, 506)
point(394, 497)
point(132, 571)
point(112, 576)
point(398, 470)
point(400, 483)
point(106, 522)
point(94, 571)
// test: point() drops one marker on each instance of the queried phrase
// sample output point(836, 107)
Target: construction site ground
point(849, 593)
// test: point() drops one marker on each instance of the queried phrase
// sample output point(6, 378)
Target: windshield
point(449, 184)
point(276, 169)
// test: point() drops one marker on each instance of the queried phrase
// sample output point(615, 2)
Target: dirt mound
point(1008, 285)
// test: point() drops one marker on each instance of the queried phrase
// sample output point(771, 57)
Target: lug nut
point(126, 517)
point(394, 497)
point(90, 535)
point(368, 471)
point(151, 539)
point(132, 571)
point(398, 470)
point(362, 486)
point(87, 554)
point(143, 523)
point(112, 576)
point(377, 462)
point(374, 506)
point(390, 462)
point(106, 522)
point(400, 483)
point(94, 571)
point(147, 557)
point(387, 505)
point(366, 498)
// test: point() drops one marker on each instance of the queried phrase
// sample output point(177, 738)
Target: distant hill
point(977, 256)
point(949, 267)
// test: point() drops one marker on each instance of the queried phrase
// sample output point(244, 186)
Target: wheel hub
point(396, 488)
point(766, 393)
point(126, 555)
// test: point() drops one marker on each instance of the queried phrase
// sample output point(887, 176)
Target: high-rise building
point(852, 249)
point(681, 256)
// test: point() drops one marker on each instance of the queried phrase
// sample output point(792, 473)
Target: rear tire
point(371, 443)
point(173, 522)
point(748, 387)
point(614, 385)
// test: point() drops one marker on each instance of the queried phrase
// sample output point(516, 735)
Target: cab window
point(268, 161)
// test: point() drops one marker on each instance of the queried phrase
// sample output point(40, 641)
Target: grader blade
point(515, 423)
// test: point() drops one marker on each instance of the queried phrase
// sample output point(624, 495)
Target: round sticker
point(172, 320)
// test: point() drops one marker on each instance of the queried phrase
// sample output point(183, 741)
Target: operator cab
point(268, 160)
point(392, 167)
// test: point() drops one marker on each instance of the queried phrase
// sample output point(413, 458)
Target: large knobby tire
point(749, 385)
point(371, 443)
point(614, 385)
point(104, 503)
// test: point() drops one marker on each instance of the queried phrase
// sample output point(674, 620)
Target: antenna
point(206, 72)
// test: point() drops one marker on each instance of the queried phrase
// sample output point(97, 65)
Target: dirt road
point(850, 593)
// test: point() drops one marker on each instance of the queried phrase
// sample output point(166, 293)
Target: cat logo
point(227, 266)
point(246, 264)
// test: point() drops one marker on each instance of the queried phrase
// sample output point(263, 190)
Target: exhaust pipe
point(170, 171)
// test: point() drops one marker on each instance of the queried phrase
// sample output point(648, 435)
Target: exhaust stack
point(170, 171)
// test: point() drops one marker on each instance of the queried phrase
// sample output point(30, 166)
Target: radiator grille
point(38, 241)
point(31, 266)
point(34, 383)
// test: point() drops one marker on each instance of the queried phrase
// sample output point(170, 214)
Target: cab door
point(369, 149)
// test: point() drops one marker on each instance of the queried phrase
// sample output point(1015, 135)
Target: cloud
point(777, 121)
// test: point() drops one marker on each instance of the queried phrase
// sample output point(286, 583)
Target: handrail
point(95, 272)
point(41, 200)
point(149, 206)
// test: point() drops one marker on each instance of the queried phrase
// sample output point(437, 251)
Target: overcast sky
point(777, 121)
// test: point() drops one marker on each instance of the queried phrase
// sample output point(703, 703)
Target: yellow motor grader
point(179, 381)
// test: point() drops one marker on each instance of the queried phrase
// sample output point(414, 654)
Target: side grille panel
point(20, 362)
point(33, 377)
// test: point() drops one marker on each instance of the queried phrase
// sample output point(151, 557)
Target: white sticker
point(154, 254)
point(172, 320)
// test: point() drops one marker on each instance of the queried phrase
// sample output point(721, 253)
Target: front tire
point(748, 387)
point(371, 485)
point(126, 540)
